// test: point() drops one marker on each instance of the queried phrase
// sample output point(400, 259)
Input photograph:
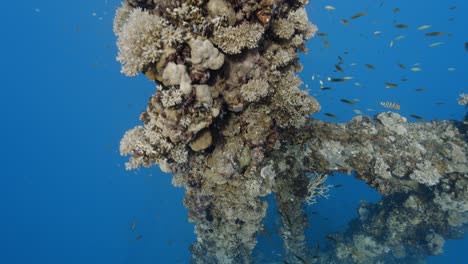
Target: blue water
point(64, 194)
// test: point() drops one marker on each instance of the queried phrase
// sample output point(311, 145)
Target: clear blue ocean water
point(65, 196)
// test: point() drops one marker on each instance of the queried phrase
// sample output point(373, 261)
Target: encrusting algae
point(230, 122)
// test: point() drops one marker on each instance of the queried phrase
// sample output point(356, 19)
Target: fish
point(453, 7)
point(338, 185)
point(435, 44)
point(338, 67)
point(330, 8)
point(360, 14)
point(330, 115)
point(344, 22)
point(421, 90)
point(340, 60)
point(424, 27)
point(321, 34)
point(370, 66)
point(347, 101)
point(345, 79)
point(325, 88)
point(403, 26)
point(401, 66)
point(377, 33)
point(416, 69)
point(132, 227)
point(451, 69)
point(138, 237)
point(326, 43)
point(396, 10)
point(340, 167)
point(466, 46)
point(434, 34)
point(357, 84)
point(391, 44)
point(358, 112)
point(302, 260)
point(390, 105)
point(420, 118)
point(399, 37)
point(390, 85)
point(332, 238)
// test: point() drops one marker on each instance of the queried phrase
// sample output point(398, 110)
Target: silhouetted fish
point(434, 34)
point(420, 118)
point(359, 15)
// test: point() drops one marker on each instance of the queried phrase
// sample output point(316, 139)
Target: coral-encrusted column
point(226, 87)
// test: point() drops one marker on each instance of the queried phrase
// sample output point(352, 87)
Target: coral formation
point(205, 54)
point(232, 125)
point(233, 40)
point(421, 169)
point(463, 99)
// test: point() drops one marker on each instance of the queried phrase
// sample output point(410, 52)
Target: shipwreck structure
point(230, 122)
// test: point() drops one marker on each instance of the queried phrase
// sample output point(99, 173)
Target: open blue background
point(64, 194)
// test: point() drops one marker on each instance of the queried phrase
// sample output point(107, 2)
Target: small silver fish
point(359, 15)
point(390, 85)
point(423, 27)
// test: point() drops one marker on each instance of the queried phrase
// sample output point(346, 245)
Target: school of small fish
point(340, 67)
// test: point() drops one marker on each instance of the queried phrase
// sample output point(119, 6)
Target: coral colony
point(229, 121)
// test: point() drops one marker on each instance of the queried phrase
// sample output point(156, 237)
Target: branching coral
point(232, 40)
point(121, 17)
point(142, 39)
point(254, 90)
point(463, 99)
point(316, 188)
